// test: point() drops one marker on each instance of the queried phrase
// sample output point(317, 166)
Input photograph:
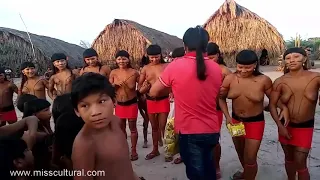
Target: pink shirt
point(195, 100)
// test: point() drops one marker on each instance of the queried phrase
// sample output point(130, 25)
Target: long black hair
point(24, 78)
point(213, 49)
point(196, 39)
point(248, 57)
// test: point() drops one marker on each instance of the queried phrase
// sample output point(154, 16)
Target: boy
point(101, 144)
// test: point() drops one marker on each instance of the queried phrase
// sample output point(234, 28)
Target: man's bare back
point(299, 94)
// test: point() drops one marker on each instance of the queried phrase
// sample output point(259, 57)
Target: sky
point(76, 20)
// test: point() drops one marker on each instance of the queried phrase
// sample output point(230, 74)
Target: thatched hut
point(235, 28)
point(133, 37)
point(16, 48)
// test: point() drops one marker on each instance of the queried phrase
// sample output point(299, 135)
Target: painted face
point(29, 72)
point(214, 57)
point(96, 110)
point(60, 64)
point(155, 59)
point(44, 114)
point(91, 61)
point(295, 61)
point(122, 61)
point(245, 70)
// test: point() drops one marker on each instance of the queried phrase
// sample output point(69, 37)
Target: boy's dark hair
point(11, 148)
point(90, 83)
point(23, 99)
point(62, 104)
point(33, 106)
point(67, 127)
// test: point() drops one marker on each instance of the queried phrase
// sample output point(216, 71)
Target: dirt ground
point(270, 157)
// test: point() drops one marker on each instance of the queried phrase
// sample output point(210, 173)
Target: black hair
point(196, 39)
point(155, 49)
point(90, 53)
point(61, 104)
point(144, 61)
point(22, 99)
point(295, 50)
point(33, 106)
point(11, 148)
point(178, 52)
point(90, 83)
point(67, 127)
point(248, 57)
point(123, 53)
point(213, 49)
point(58, 56)
point(24, 78)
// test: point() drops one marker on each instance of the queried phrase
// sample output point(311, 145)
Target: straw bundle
point(132, 37)
point(15, 48)
point(235, 28)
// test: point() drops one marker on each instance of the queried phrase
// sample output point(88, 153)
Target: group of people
point(92, 106)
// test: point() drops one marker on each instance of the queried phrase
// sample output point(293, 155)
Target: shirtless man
point(7, 88)
point(61, 80)
point(247, 107)
point(296, 127)
point(158, 108)
point(213, 52)
point(92, 63)
point(125, 79)
point(31, 83)
point(101, 144)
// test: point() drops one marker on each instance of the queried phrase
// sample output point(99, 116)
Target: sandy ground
point(270, 157)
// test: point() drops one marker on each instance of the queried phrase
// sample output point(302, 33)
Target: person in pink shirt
point(195, 81)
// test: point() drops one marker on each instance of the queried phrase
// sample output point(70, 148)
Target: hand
point(284, 132)
point(229, 121)
point(284, 114)
point(146, 84)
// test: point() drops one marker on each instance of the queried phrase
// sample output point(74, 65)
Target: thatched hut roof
point(235, 28)
point(15, 48)
point(133, 37)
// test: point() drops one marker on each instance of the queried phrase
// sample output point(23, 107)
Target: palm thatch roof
point(133, 37)
point(16, 48)
point(235, 28)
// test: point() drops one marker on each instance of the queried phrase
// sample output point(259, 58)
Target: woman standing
point(195, 81)
point(61, 80)
point(214, 54)
point(31, 83)
point(247, 107)
point(298, 90)
point(125, 80)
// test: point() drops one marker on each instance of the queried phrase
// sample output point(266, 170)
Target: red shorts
point(8, 114)
point(301, 134)
point(158, 105)
point(254, 126)
point(127, 110)
point(220, 118)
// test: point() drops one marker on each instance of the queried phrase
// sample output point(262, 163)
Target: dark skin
point(245, 104)
point(35, 85)
point(7, 88)
point(149, 75)
point(61, 82)
point(92, 63)
point(102, 140)
point(125, 79)
point(301, 100)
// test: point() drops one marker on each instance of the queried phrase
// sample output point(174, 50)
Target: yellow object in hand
point(236, 129)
